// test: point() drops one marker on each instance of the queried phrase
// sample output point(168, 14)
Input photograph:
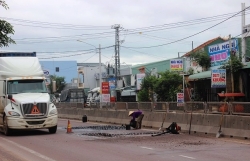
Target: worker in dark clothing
point(136, 120)
point(174, 128)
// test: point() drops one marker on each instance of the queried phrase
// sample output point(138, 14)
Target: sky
point(150, 30)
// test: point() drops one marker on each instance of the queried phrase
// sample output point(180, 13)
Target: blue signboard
point(111, 83)
point(219, 53)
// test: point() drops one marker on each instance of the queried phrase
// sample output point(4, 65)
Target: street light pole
point(100, 75)
point(100, 69)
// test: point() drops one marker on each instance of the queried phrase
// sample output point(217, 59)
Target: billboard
point(139, 78)
point(218, 78)
point(176, 65)
point(219, 53)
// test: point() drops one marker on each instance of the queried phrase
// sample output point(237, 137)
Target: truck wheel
point(6, 129)
point(52, 130)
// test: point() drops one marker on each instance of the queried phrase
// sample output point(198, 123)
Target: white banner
point(105, 97)
point(139, 78)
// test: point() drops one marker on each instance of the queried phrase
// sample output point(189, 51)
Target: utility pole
point(231, 67)
point(243, 45)
point(100, 75)
point(117, 52)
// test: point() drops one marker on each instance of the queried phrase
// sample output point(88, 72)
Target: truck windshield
point(26, 86)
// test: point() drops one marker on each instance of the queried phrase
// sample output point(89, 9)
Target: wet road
point(93, 142)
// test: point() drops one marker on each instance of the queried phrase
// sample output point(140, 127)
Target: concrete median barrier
point(232, 125)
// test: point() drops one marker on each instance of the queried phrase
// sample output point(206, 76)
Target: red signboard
point(105, 87)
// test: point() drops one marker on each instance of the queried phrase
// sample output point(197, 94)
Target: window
point(57, 69)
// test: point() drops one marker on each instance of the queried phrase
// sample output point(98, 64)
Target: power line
point(72, 51)
point(63, 28)
point(143, 52)
point(68, 36)
point(185, 23)
point(62, 55)
point(53, 57)
point(188, 36)
point(58, 41)
point(53, 24)
point(146, 29)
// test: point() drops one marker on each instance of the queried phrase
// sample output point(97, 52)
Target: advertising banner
point(139, 78)
point(105, 97)
point(105, 87)
point(176, 65)
point(219, 53)
point(180, 99)
point(218, 78)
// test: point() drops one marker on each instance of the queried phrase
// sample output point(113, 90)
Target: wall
point(161, 66)
point(91, 76)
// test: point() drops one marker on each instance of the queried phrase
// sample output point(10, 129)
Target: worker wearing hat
point(136, 115)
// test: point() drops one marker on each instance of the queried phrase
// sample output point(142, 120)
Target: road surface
point(122, 145)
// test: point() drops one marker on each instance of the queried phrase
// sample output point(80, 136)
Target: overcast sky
point(150, 29)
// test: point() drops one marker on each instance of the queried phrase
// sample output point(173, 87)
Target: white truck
point(93, 96)
point(24, 99)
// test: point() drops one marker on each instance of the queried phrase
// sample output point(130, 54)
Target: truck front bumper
point(21, 123)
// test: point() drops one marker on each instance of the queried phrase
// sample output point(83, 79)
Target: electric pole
point(243, 43)
point(117, 52)
point(231, 66)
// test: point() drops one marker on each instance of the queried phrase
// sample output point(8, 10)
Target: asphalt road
point(122, 145)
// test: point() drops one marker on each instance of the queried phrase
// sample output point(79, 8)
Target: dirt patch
point(168, 141)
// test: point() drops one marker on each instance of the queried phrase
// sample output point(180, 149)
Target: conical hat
point(130, 113)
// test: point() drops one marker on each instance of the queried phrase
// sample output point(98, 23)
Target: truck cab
point(24, 99)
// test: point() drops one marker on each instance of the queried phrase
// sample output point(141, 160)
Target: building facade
point(66, 69)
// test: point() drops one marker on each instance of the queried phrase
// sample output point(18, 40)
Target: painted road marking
point(30, 151)
point(146, 148)
point(184, 156)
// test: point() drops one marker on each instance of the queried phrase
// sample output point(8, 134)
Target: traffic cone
point(69, 130)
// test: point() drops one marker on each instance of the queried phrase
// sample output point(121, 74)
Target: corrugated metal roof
point(202, 75)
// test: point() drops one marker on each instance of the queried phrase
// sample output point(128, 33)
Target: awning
point(231, 94)
point(202, 75)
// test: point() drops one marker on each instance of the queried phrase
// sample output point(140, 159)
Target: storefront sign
point(218, 78)
point(180, 99)
point(219, 53)
point(176, 65)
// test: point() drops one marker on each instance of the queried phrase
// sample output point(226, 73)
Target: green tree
point(147, 88)
point(5, 29)
point(168, 86)
point(202, 58)
point(165, 87)
point(60, 83)
point(235, 62)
